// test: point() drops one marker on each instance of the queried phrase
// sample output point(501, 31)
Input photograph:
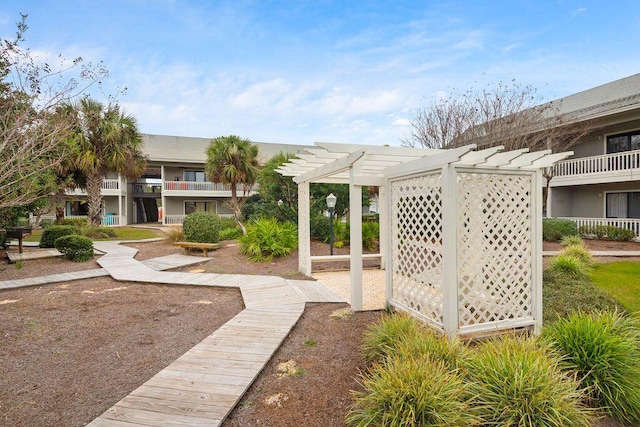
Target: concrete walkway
point(202, 386)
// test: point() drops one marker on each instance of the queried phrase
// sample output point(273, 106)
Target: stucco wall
point(587, 201)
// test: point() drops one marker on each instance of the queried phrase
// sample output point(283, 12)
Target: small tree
point(107, 140)
point(32, 134)
point(233, 160)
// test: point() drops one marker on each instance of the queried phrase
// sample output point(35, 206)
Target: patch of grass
point(310, 342)
point(19, 264)
point(562, 297)
point(603, 350)
point(620, 280)
point(383, 337)
point(571, 241)
point(122, 233)
point(174, 233)
point(567, 267)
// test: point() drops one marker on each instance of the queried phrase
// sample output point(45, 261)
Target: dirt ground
point(71, 350)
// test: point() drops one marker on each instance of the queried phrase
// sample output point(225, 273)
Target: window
point(190, 207)
point(623, 142)
point(623, 205)
point(194, 176)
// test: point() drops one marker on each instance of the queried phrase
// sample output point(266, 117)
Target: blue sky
point(339, 71)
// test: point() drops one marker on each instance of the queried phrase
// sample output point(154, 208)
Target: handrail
point(597, 164)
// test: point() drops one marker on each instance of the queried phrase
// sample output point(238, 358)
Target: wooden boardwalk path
point(203, 386)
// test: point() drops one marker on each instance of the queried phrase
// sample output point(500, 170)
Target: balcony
point(193, 188)
point(616, 167)
point(110, 187)
point(629, 223)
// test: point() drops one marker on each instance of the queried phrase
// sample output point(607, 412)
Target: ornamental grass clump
point(579, 252)
point(569, 268)
point(267, 238)
point(411, 392)
point(383, 337)
point(516, 382)
point(567, 241)
point(603, 350)
point(428, 343)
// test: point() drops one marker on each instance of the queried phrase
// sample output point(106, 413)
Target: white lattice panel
point(416, 242)
point(494, 264)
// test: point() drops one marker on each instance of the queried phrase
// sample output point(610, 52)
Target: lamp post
point(331, 204)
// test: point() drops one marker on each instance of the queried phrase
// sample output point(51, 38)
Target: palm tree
point(107, 141)
point(233, 160)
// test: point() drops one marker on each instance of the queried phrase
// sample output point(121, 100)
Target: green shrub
point(554, 229)
point(516, 382)
point(411, 392)
point(382, 338)
point(201, 227)
point(75, 247)
point(319, 227)
point(370, 235)
point(230, 233)
point(607, 232)
point(267, 238)
point(98, 232)
point(569, 268)
point(4, 242)
point(579, 252)
point(50, 234)
point(228, 223)
point(603, 349)
point(76, 222)
point(572, 241)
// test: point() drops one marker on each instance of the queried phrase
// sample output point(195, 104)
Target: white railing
point(199, 186)
point(107, 220)
point(597, 164)
point(173, 219)
point(110, 184)
point(629, 223)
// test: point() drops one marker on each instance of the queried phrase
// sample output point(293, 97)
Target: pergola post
point(449, 251)
point(536, 243)
point(383, 222)
point(355, 240)
point(304, 230)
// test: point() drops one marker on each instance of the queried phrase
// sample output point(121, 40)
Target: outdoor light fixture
point(331, 204)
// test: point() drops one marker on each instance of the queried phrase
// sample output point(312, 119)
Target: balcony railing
point(110, 184)
point(630, 223)
point(199, 186)
point(598, 164)
point(107, 220)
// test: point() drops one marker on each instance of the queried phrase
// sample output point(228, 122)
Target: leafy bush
point(230, 233)
point(603, 349)
point(4, 242)
point(566, 267)
point(382, 338)
point(174, 233)
point(607, 232)
point(45, 223)
point(76, 222)
point(267, 238)
point(227, 223)
point(319, 227)
point(98, 232)
point(370, 235)
point(201, 227)
point(50, 234)
point(75, 247)
point(517, 383)
point(411, 392)
point(567, 241)
point(554, 229)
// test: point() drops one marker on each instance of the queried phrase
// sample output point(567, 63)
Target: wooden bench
point(205, 247)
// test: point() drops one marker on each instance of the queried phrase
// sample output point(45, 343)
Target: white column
point(355, 244)
point(162, 197)
point(304, 231)
point(122, 219)
point(449, 251)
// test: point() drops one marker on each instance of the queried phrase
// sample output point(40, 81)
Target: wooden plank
point(156, 419)
point(186, 396)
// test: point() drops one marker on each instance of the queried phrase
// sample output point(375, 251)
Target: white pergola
point(460, 229)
